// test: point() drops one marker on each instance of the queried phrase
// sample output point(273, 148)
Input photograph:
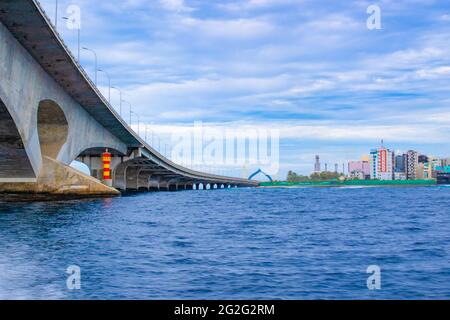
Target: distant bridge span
point(259, 171)
point(51, 113)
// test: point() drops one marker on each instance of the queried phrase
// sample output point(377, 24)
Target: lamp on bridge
point(109, 83)
point(74, 23)
point(96, 61)
point(120, 93)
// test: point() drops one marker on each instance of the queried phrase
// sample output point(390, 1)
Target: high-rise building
point(382, 164)
point(317, 165)
point(445, 162)
point(434, 163)
point(400, 164)
point(412, 164)
point(420, 173)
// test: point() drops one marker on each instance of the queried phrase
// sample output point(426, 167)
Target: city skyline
point(383, 163)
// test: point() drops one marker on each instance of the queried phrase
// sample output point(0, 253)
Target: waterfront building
point(412, 164)
point(443, 178)
point(443, 174)
point(400, 176)
point(420, 174)
point(428, 170)
point(382, 164)
point(400, 163)
point(444, 162)
point(443, 169)
point(357, 174)
point(373, 164)
point(359, 169)
point(435, 163)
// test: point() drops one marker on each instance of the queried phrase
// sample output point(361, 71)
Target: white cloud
point(244, 5)
point(175, 5)
point(231, 28)
point(427, 132)
point(445, 17)
point(434, 72)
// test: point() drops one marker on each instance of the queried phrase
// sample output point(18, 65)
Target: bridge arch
point(81, 167)
point(259, 171)
point(92, 157)
point(53, 128)
point(15, 164)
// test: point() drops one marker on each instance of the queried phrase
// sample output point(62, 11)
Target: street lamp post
point(120, 93)
point(109, 78)
point(130, 110)
point(79, 35)
point(159, 145)
point(56, 14)
point(139, 121)
point(95, 55)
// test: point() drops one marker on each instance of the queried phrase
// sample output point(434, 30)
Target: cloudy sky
point(310, 68)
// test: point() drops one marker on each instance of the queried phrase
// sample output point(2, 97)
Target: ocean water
point(308, 243)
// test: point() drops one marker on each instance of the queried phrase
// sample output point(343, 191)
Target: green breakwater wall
point(352, 183)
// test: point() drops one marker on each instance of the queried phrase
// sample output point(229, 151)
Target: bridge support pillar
point(163, 186)
point(132, 178)
point(144, 180)
point(57, 178)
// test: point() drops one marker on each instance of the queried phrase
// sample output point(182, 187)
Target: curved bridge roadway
point(44, 90)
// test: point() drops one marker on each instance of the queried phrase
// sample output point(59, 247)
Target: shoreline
point(350, 184)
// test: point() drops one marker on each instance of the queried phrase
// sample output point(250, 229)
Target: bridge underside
point(14, 163)
point(143, 174)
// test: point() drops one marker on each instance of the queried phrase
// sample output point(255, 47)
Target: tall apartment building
point(400, 163)
point(412, 165)
point(445, 162)
point(382, 164)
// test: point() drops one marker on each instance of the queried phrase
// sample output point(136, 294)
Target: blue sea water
point(309, 243)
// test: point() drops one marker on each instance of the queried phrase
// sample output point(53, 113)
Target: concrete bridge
point(51, 113)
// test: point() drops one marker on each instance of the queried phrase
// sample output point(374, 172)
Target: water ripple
point(230, 244)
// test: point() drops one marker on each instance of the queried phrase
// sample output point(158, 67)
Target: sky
point(308, 68)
